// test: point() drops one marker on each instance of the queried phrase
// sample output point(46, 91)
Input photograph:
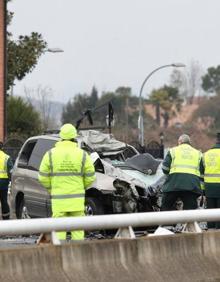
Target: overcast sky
point(112, 43)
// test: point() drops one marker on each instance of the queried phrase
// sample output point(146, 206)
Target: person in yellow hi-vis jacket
point(66, 171)
point(183, 166)
point(212, 179)
point(6, 166)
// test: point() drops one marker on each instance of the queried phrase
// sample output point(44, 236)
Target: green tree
point(166, 98)
point(81, 102)
point(93, 97)
point(123, 91)
point(78, 105)
point(125, 108)
point(211, 80)
point(119, 100)
point(74, 108)
point(22, 54)
point(22, 119)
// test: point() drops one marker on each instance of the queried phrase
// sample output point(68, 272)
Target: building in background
point(2, 68)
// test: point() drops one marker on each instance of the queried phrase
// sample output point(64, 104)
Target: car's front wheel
point(22, 212)
point(94, 206)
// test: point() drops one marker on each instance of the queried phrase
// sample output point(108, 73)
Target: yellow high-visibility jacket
point(3, 165)
point(185, 159)
point(212, 166)
point(66, 171)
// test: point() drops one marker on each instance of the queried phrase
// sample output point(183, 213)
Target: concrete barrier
point(183, 257)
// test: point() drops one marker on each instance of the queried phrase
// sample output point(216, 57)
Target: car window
point(26, 153)
point(42, 146)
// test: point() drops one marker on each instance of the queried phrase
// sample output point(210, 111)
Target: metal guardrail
point(47, 225)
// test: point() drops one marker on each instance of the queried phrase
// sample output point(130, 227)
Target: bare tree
point(178, 79)
point(41, 98)
point(188, 81)
point(194, 76)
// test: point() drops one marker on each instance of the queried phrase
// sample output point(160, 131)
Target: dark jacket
point(212, 190)
point(181, 181)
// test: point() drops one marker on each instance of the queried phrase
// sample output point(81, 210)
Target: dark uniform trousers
point(188, 198)
point(4, 203)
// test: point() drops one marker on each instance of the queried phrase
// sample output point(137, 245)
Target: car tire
point(94, 207)
point(22, 212)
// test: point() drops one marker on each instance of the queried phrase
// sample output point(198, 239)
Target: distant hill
point(181, 117)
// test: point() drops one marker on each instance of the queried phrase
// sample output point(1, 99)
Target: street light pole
point(140, 118)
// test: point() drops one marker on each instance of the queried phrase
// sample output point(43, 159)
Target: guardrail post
point(48, 238)
point(125, 232)
point(192, 227)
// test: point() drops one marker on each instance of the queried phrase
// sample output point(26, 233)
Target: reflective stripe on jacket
point(185, 159)
point(66, 171)
point(3, 165)
point(212, 166)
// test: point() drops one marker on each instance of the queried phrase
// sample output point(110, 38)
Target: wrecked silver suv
point(136, 183)
point(121, 185)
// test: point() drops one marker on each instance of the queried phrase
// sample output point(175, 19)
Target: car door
point(19, 172)
point(37, 199)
